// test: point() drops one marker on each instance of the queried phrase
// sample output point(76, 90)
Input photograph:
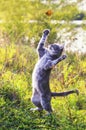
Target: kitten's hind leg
point(46, 103)
point(36, 101)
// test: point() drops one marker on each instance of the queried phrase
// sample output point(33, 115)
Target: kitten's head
point(55, 49)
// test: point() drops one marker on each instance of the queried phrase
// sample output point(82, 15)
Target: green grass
point(16, 65)
point(18, 57)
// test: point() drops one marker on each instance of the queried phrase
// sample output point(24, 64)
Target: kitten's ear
point(62, 47)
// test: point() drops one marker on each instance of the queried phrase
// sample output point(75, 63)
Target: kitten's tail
point(54, 94)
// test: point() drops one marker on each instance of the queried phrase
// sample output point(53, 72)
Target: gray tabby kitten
point(48, 58)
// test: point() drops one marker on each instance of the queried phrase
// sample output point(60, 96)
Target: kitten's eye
point(51, 48)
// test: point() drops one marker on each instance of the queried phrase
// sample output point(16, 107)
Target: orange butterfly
point(49, 12)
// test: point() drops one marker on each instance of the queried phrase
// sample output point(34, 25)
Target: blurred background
point(23, 22)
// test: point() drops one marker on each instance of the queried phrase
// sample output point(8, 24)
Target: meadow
point(16, 65)
point(21, 26)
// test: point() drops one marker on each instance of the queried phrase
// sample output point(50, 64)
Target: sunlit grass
point(15, 92)
point(18, 39)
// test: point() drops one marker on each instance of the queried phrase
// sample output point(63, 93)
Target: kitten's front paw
point(64, 57)
point(46, 31)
